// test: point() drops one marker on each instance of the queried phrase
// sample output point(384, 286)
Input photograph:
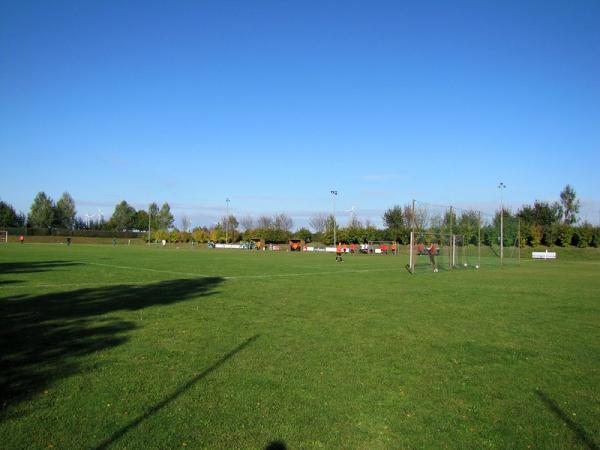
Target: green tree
point(200, 234)
point(153, 211)
point(165, 218)
point(64, 211)
point(9, 217)
point(394, 218)
point(230, 223)
point(304, 234)
point(583, 235)
point(395, 222)
point(511, 227)
point(563, 234)
point(540, 218)
point(570, 205)
point(328, 233)
point(468, 225)
point(123, 217)
point(140, 221)
point(41, 214)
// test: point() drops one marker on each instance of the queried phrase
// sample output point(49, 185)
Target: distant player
point(432, 250)
point(338, 253)
point(393, 248)
point(21, 239)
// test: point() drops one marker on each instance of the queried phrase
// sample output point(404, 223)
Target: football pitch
point(144, 347)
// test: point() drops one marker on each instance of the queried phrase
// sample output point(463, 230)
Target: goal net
point(500, 240)
point(463, 238)
point(430, 251)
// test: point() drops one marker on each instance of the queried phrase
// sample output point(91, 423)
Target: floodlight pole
point(479, 239)
point(501, 186)
point(411, 260)
point(334, 195)
point(227, 222)
point(149, 215)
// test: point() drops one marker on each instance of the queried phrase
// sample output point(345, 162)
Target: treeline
point(45, 213)
point(542, 223)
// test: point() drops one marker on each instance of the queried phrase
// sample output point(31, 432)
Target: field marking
point(65, 285)
point(189, 275)
point(234, 277)
point(197, 275)
point(237, 277)
point(278, 275)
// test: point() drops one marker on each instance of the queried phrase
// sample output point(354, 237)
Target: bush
point(563, 234)
point(582, 236)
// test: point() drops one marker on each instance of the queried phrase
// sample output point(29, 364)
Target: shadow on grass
point(276, 445)
point(160, 405)
point(29, 267)
point(560, 414)
point(34, 266)
point(43, 337)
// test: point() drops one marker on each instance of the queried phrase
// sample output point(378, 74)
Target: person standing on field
point(21, 239)
point(432, 250)
point(338, 253)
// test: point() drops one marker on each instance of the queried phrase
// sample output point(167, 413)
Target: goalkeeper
point(432, 249)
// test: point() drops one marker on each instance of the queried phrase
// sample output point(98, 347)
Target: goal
point(430, 251)
point(3, 237)
point(463, 238)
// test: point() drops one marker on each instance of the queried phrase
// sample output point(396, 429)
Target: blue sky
point(272, 104)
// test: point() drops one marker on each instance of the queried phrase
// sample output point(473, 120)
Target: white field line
point(192, 275)
point(195, 275)
point(238, 277)
point(61, 285)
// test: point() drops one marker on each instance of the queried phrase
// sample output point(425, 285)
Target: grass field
point(137, 347)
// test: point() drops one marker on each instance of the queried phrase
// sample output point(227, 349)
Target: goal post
point(454, 233)
point(430, 251)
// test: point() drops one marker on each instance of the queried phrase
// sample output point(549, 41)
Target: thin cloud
point(380, 177)
point(377, 194)
point(114, 160)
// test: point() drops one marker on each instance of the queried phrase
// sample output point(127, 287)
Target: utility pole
point(227, 222)
point(334, 195)
point(501, 186)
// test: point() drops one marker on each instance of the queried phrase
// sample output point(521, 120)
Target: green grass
point(136, 347)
